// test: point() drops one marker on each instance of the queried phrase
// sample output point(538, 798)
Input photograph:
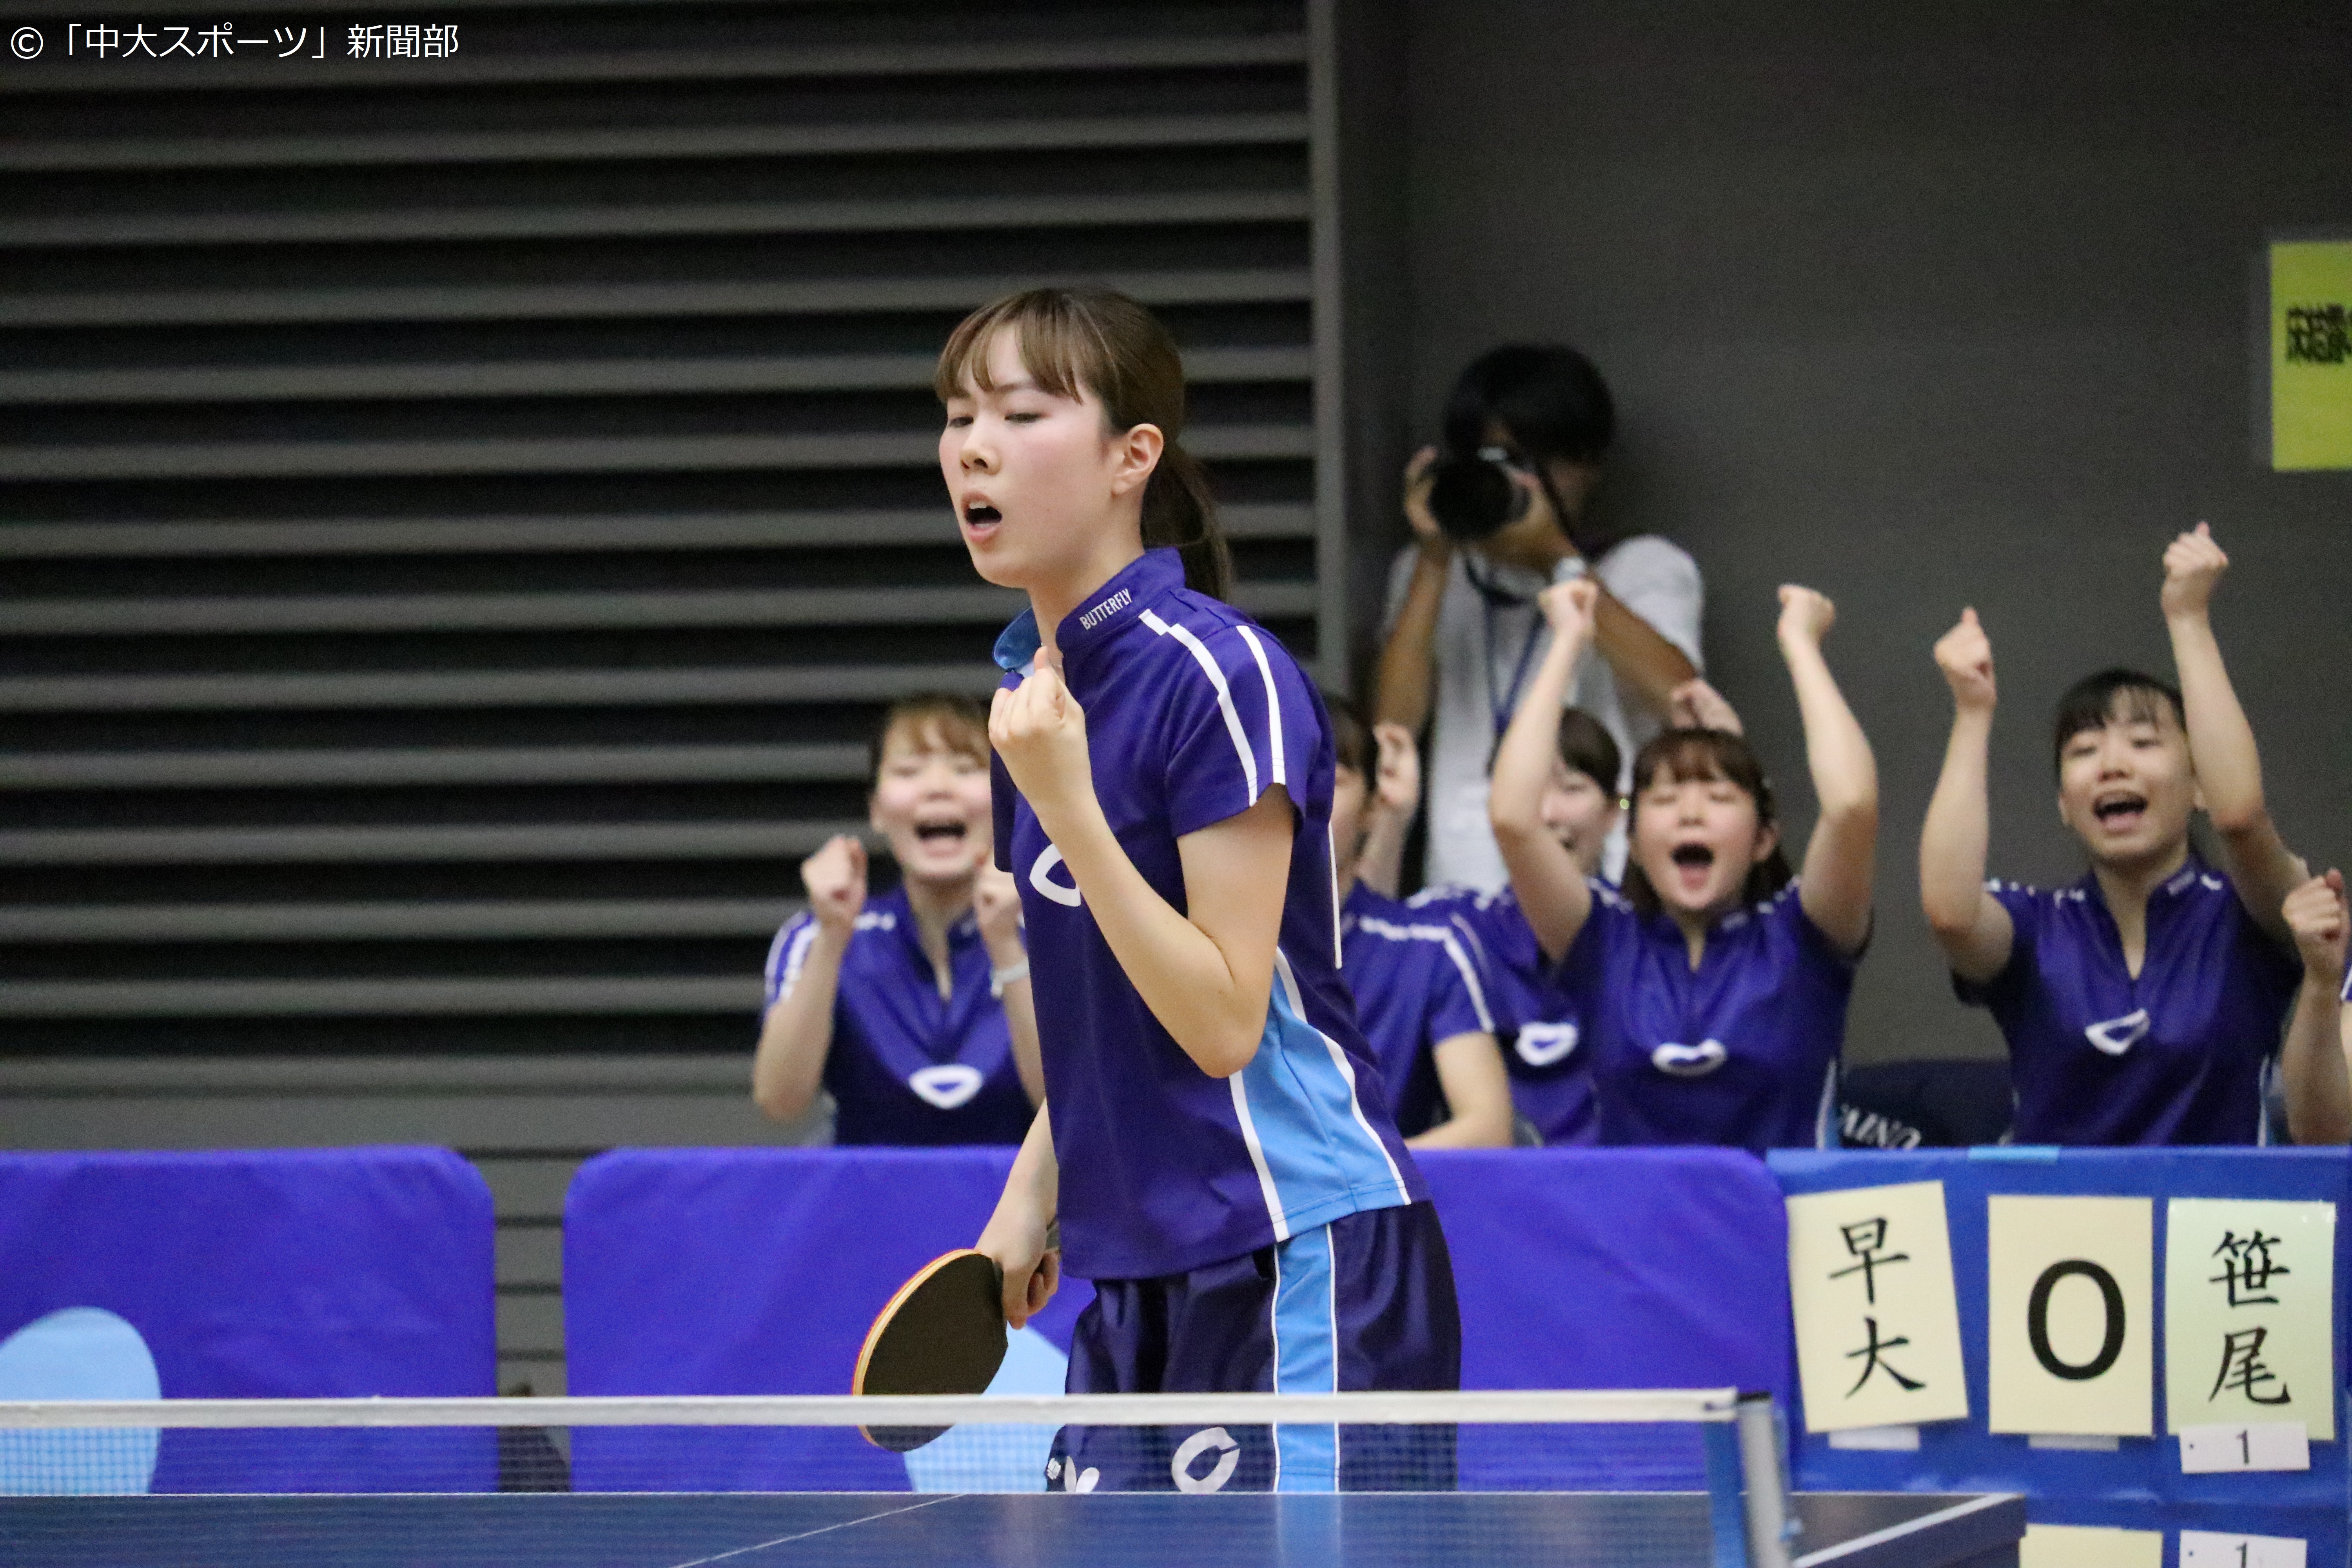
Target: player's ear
point(1768, 838)
point(1135, 452)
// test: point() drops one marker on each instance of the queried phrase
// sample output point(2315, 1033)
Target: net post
point(1725, 1517)
point(1763, 1457)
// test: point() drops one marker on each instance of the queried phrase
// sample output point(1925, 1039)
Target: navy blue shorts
point(1365, 1302)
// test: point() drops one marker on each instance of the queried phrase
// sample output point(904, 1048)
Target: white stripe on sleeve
point(1272, 704)
point(795, 954)
point(1470, 978)
point(1208, 663)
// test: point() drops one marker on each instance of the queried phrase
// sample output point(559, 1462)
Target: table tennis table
point(1374, 1529)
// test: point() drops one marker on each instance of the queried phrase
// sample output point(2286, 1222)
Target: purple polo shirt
point(1193, 712)
point(1741, 1052)
point(906, 1065)
point(1418, 982)
point(2178, 1054)
point(1551, 1077)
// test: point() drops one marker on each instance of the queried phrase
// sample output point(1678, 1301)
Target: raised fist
point(1417, 485)
point(1568, 608)
point(1805, 613)
point(996, 905)
point(2193, 565)
point(1964, 656)
point(1396, 777)
point(835, 880)
point(2316, 913)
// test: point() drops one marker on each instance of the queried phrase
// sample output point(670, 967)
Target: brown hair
point(1587, 746)
point(960, 721)
point(1691, 754)
point(1101, 342)
point(1351, 741)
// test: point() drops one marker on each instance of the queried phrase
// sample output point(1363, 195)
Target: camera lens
point(1473, 496)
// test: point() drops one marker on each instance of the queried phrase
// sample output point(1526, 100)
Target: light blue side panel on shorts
point(1305, 1358)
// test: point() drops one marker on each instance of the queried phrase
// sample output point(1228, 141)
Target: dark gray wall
point(1924, 306)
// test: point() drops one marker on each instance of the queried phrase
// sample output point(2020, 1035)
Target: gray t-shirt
point(1486, 650)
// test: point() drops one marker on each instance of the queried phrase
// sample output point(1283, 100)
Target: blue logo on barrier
point(80, 1353)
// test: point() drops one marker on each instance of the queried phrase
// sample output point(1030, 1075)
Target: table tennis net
point(153, 1482)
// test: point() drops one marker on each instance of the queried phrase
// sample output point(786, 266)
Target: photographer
point(1497, 515)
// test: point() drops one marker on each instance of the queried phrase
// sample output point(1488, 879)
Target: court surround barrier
point(717, 1271)
point(367, 1271)
point(250, 1274)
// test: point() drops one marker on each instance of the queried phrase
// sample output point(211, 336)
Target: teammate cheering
point(911, 1008)
point(2143, 1003)
point(1712, 990)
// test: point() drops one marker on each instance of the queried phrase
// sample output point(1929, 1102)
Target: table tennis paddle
point(943, 1333)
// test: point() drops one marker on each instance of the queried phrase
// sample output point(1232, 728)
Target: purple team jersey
point(1417, 983)
point(1551, 1083)
point(2178, 1056)
point(1742, 1052)
point(1193, 712)
point(907, 1066)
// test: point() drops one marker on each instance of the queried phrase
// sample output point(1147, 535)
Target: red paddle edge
point(890, 1313)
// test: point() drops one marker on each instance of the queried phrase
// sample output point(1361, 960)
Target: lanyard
point(1504, 702)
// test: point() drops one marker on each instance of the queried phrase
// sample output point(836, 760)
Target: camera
point(1473, 497)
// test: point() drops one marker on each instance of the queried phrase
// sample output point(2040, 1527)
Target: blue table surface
point(1617, 1530)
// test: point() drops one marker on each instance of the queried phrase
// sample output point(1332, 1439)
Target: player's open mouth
point(941, 832)
point(1693, 855)
point(980, 514)
point(2120, 811)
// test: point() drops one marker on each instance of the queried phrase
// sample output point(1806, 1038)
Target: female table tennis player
point(1214, 1141)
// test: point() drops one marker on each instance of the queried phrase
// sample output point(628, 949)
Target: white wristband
point(1011, 974)
point(1568, 569)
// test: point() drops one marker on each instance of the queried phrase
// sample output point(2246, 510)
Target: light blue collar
point(1017, 644)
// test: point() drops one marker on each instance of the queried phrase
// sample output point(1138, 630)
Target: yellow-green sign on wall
point(2311, 354)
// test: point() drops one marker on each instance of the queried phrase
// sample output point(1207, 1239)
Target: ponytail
point(1179, 512)
point(1103, 341)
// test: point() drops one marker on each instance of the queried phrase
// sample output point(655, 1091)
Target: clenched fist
point(1396, 778)
point(1418, 482)
point(835, 880)
point(1040, 731)
point(996, 906)
point(1805, 613)
point(2317, 915)
point(1568, 608)
point(1964, 656)
point(2193, 565)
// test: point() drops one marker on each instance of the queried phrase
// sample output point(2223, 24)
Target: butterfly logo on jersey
point(1540, 1044)
point(947, 1085)
point(1060, 893)
point(1689, 1061)
point(2116, 1035)
point(1229, 1454)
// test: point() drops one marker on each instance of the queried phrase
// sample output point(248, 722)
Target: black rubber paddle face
point(945, 1334)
